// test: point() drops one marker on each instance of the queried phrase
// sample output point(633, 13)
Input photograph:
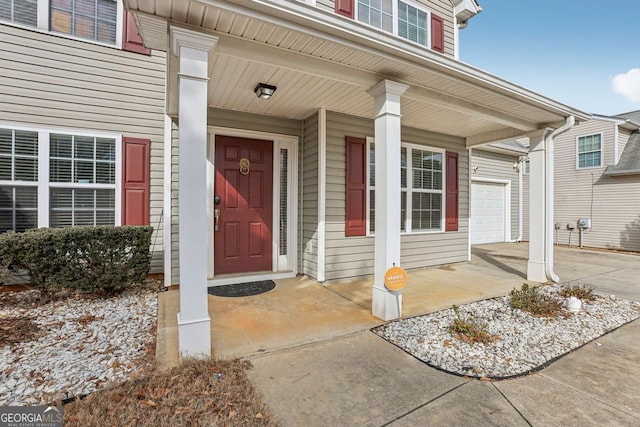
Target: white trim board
point(322, 190)
point(166, 202)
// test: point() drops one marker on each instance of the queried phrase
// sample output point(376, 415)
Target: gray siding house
point(325, 138)
point(82, 122)
point(267, 139)
point(597, 176)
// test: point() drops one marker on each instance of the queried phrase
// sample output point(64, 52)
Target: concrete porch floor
point(301, 311)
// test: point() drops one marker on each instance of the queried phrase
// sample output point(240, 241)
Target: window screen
point(19, 11)
point(89, 19)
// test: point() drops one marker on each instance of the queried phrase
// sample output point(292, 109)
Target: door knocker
point(244, 166)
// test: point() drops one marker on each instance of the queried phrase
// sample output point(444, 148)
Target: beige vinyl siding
point(328, 5)
point(227, 119)
point(175, 247)
point(425, 250)
point(623, 138)
point(499, 166)
point(309, 159)
point(354, 256)
point(442, 8)
point(612, 203)
point(344, 256)
point(53, 82)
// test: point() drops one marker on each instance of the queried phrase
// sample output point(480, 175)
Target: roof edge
point(301, 16)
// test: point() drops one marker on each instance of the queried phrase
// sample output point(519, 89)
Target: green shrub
point(103, 260)
point(5, 258)
point(531, 300)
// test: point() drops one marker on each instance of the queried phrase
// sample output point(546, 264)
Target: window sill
point(61, 35)
point(413, 233)
point(589, 168)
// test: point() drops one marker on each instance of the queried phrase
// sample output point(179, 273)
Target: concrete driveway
point(609, 272)
point(360, 379)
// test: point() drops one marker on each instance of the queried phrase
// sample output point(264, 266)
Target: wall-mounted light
point(264, 91)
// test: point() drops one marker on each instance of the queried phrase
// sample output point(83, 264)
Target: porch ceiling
point(319, 59)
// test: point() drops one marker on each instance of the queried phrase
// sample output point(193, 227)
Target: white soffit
point(323, 71)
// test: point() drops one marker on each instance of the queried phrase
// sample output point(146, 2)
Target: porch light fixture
point(264, 90)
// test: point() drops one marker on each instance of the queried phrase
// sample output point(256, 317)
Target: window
point(97, 20)
point(413, 23)
point(19, 11)
point(589, 151)
point(421, 188)
point(284, 205)
point(88, 19)
point(18, 180)
point(527, 167)
point(397, 17)
point(58, 179)
point(377, 13)
point(426, 197)
point(87, 166)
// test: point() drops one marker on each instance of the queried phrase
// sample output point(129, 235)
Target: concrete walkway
point(301, 311)
point(316, 363)
point(360, 379)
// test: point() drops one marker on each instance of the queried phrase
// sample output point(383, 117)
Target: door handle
point(216, 221)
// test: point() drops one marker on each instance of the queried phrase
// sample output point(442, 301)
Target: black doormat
point(242, 289)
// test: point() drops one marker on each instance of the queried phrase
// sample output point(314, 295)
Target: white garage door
point(487, 212)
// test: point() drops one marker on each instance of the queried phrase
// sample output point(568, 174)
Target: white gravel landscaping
point(83, 344)
point(525, 342)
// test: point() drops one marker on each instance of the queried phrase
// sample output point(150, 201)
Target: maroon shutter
point(437, 33)
point(135, 181)
point(131, 39)
point(345, 8)
point(452, 192)
point(356, 187)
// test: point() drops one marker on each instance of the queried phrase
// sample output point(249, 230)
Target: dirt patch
point(15, 288)
point(197, 393)
point(14, 330)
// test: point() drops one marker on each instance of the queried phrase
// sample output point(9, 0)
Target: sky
point(582, 53)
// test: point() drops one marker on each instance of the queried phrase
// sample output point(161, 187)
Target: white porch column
point(192, 49)
point(536, 267)
point(387, 95)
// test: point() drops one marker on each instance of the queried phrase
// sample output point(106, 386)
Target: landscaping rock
point(84, 338)
point(525, 342)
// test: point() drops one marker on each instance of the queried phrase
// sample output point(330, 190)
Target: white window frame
point(526, 166)
point(395, 16)
point(578, 167)
point(43, 183)
point(408, 226)
point(43, 25)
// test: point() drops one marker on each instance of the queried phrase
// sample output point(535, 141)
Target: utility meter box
point(584, 223)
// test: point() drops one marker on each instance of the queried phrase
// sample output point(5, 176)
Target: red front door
point(244, 191)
